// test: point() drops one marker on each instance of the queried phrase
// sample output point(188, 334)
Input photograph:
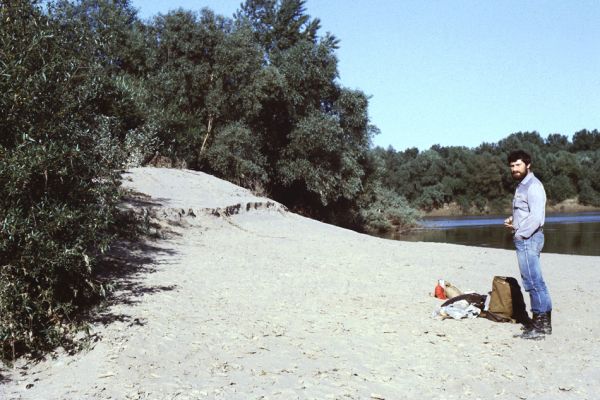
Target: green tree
point(431, 197)
point(380, 209)
point(485, 175)
point(184, 52)
point(317, 162)
point(206, 78)
point(235, 156)
point(531, 142)
point(279, 24)
point(586, 140)
point(314, 134)
point(588, 195)
point(560, 188)
point(589, 185)
point(556, 142)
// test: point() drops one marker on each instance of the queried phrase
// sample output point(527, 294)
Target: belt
point(540, 229)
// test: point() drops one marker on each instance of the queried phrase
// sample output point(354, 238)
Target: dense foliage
point(478, 180)
point(87, 88)
point(255, 100)
point(59, 153)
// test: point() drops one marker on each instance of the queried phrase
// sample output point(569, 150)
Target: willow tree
point(59, 151)
point(204, 88)
point(314, 133)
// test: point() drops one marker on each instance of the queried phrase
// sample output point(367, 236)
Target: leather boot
point(535, 331)
point(546, 319)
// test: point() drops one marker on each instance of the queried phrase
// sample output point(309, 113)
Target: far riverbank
point(567, 206)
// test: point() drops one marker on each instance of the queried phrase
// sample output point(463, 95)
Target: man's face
point(518, 169)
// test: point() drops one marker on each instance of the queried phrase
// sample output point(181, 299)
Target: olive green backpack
point(506, 301)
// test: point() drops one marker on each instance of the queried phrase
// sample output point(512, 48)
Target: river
point(565, 233)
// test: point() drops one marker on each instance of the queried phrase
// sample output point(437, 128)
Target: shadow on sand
point(130, 258)
point(122, 271)
point(140, 242)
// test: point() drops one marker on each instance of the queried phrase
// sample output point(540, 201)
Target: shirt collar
point(527, 178)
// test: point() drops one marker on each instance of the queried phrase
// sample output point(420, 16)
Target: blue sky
point(459, 73)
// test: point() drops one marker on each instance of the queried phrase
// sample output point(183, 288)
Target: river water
point(567, 233)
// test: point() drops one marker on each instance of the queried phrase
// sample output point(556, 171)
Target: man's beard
point(519, 175)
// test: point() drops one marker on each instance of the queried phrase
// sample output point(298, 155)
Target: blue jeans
point(528, 254)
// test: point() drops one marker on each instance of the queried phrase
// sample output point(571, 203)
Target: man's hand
point(508, 223)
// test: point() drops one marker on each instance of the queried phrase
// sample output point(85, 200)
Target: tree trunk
point(208, 129)
point(210, 121)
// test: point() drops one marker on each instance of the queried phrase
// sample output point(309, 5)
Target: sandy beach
point(246, 300)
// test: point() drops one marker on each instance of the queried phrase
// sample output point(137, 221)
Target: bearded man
point(526, 223)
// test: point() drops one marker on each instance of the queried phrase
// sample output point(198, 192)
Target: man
point(527, 221)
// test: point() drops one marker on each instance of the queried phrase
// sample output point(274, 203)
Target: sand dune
point(266, 304)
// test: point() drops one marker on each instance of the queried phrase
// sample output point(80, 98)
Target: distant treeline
point(478, 180)
point(87, 89)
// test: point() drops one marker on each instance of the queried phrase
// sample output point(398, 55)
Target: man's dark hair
point(519, 155)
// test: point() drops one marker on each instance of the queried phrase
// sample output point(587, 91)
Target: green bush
point(385, 211)
point(58, 185)
point(235, 156)
point(57, 214)
point(560, 188)
point(318, 160)
point(588, 196)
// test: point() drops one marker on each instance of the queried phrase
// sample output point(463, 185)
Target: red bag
point(439, 292)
